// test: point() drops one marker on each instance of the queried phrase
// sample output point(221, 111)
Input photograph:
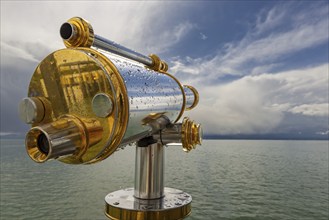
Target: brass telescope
point(94, 97)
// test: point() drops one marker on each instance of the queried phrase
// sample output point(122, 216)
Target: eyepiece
point(77, 32)
point(37, 145)
point(43, 143)
point(66, 31)
point(63, 137)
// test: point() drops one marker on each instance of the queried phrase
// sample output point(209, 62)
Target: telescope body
point(95, 97)
point(101, 101)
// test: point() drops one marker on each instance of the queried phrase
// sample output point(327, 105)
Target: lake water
point(228, 179)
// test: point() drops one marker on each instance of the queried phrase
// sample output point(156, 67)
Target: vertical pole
point(149, 172)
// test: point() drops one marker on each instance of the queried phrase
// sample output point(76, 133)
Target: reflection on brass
point(191, 134)
point(117, 121)
point(69, 79)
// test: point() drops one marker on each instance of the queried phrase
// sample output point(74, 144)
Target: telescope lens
point(43, 144)
point(66, 31)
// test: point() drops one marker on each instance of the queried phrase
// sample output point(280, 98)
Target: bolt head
point(31, 110)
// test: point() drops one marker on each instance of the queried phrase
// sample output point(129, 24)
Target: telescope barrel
point(71, 34)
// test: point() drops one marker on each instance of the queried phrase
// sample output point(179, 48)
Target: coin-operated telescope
point(94, 97)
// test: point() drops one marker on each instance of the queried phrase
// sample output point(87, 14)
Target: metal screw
point(102, 105)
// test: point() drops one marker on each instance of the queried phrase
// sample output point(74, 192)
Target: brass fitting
point(188, 133)
point(77, 32)
point(195, 97)
point(158, 64)
point(191, 134)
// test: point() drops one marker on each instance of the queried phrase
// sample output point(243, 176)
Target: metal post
point(149, 199)
point(149, 172)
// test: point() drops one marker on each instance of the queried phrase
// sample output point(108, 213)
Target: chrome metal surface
point(31, 110)
point(149, 172)
point(53, 140)
point(102, 105)
point(149, 92)
point(111, 46)
point(175, 204)
point(171, 134)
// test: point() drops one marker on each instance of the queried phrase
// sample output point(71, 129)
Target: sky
point(261, 67)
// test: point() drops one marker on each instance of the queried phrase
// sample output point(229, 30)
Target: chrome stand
point(149, 199)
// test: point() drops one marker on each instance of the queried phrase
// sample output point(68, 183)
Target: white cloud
point(203, 36)
point(170, 37)
point(260, 99)
point(12, 51)
point(311, 109)
point(261, 48)
point(257, 104)
point(323, 132)
point(8, 133)
point(138, 25)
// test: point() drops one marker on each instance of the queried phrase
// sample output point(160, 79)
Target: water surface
point(228, 179)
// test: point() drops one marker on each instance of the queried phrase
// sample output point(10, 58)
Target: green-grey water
point(228, 179)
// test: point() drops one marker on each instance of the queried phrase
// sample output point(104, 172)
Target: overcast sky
point(259, 66)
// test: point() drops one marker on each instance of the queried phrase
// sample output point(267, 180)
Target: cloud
point(311, 109)
point(323, 132)
point(246, 86)
point(258, 104)
point(170, 37)
point(139, 25)
point(263, 47)
point(203, 36)
point(241, 92)
point(8, 133)
point(30, 31)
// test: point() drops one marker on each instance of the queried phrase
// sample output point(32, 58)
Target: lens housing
point(43, 143)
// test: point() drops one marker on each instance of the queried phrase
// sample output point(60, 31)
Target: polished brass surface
point(122, 205)
point(196, 97)
point(158, 64)
point(118, 120)
point(191, 134)
point(82, 33)
point(69, 79)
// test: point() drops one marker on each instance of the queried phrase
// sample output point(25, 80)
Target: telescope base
point(122, 204)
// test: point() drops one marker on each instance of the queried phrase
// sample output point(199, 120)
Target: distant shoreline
point(234, 137)
point(267, 137)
